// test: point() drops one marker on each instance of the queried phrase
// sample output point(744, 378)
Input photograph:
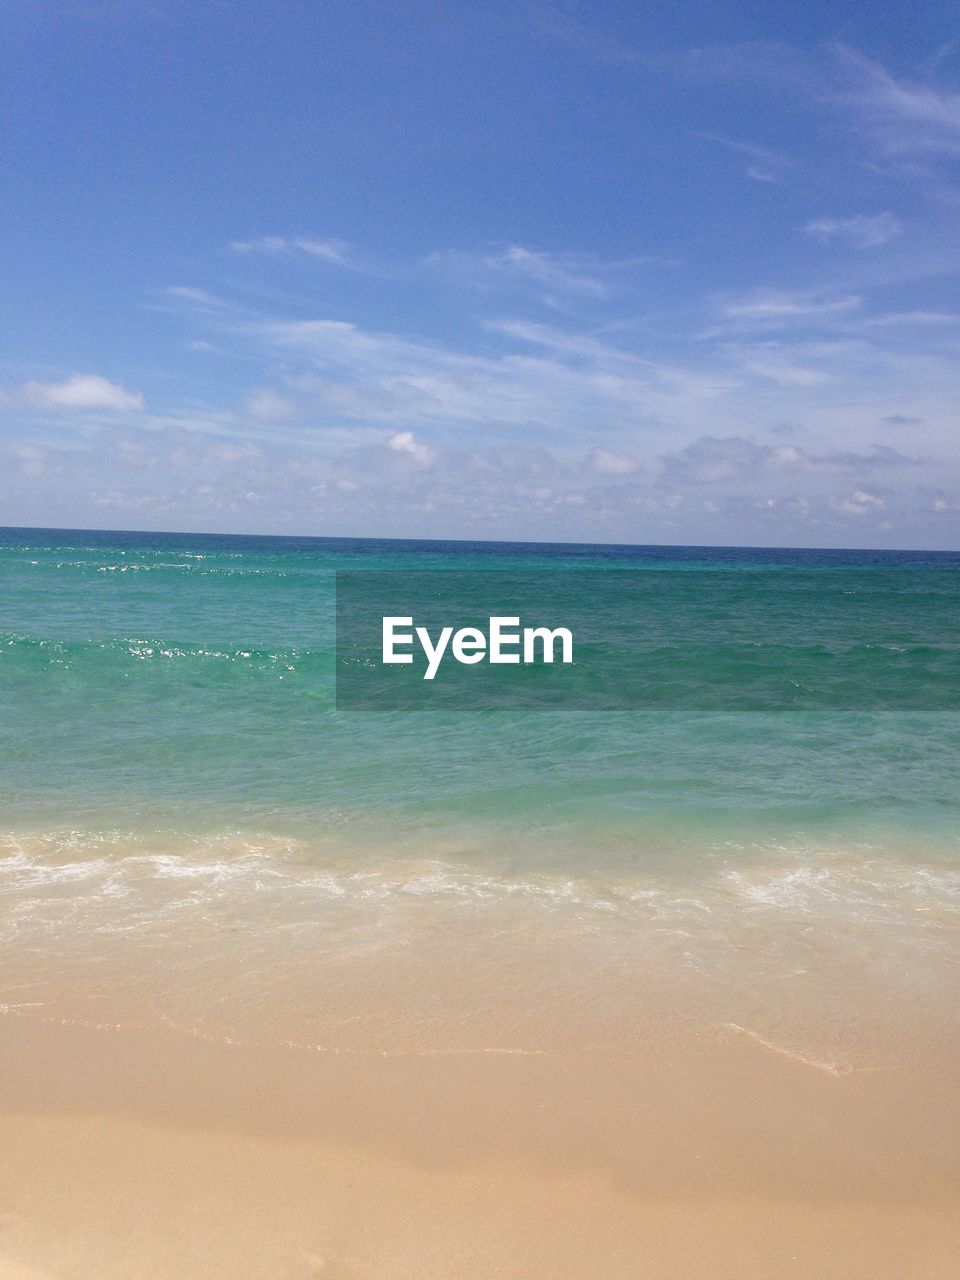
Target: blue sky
point(608, 272)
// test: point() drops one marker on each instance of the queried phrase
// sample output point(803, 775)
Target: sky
point(606, 272)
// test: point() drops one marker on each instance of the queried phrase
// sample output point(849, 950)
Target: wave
point(824, 955)
point(766, 880)
point(115, 659)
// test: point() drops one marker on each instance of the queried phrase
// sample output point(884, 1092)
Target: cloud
point(786, 365)
point(78, 392)
point(771, 306)
point(557, 271)
point(335, 253)
point(363, 375)
point(858, 232)
point(926, 318)
point(564, 384)
point(407, 443)
point(267, 405)
point(580, 274)
point(712, 459)
point(198, 299)
point(900, 117)
point(759, 174)
point(904, 116)
point(860, 503)
point(604, 462)
point(397, 485)
point(492, 427)
point(767, 166)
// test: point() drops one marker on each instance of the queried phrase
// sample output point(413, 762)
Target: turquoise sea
point(185, 811)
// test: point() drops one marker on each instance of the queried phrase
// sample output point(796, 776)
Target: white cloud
point(406, 442)
point(771, 306)
point(365, 375)
point(80, 391)
point(859, 232)
point(860, 503)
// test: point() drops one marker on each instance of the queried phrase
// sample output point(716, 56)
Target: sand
point(158, 1154)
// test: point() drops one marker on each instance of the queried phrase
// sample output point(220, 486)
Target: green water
point(187, 683)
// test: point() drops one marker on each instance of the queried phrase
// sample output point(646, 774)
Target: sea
point(194, 833)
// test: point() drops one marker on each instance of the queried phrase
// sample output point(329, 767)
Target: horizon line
point(528, 542)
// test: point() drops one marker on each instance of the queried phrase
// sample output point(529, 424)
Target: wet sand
point(159, 1155)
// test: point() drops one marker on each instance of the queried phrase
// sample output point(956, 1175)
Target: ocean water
point(191, 830)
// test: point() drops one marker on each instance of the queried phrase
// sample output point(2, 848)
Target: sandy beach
point(161, 1155)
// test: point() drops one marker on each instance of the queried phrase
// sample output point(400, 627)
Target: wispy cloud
point(859, 232)
point(766, 164)
point(576, 274)
point(775, 308)
point(567, 387)
point(556, 271)
point(335, 253)
point(901, 115)
point(178, 297)
point(565, 381)
point(905, 116)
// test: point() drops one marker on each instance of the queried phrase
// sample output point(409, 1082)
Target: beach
point(291, 990)
point(158, 1155)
